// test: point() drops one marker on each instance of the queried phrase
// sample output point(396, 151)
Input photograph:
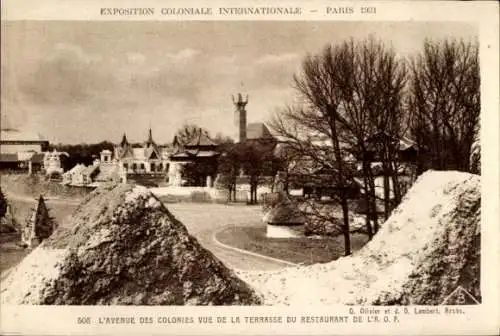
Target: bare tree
point(445, 102)
point(373, 90)
point(187, 133)
point(351, 93)
point(313, 128)
point(256, 161)
point(289, 159)
point(228, 169)
point(253, 160)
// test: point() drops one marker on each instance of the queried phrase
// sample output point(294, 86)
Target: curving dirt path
point(204, 220)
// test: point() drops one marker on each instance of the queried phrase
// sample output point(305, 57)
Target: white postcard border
point(479, 319)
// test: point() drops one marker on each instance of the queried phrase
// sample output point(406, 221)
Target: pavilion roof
point(258, 130)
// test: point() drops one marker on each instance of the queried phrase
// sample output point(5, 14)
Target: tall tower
point(240, 118)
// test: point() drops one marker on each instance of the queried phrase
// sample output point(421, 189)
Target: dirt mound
point(427, 249)
point(124, 248)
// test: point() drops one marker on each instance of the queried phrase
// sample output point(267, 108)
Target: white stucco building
point(147, 159)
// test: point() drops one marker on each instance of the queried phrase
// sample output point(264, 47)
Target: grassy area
point(297, 250)
point(10, 253)
point(11, 257)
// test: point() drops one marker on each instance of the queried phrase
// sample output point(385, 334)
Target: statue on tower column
point(240, 118)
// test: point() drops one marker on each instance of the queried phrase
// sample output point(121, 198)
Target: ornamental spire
point(124, 141)
point(150, 136)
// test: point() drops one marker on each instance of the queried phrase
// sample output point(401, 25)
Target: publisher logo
point(460, 297)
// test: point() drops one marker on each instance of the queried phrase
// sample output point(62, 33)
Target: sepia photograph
point(218, 167)
point(154, 163)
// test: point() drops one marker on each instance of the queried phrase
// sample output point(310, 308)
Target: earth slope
point(124, 248)
point(427, 248)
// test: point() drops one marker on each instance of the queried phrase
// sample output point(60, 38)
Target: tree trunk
point(387, 191)
point(384, 157)
point(373, 203)
point(251, 194)
point(346, 232)
point(368, 224)
point(341, 182)
point(392, 164)
point(395, 184)
point(370, 195)
point(253, 191)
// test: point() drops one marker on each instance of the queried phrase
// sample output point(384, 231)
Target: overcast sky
point(92, 81)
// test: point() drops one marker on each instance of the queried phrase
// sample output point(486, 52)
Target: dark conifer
point(3, 204)
point(44, 223)
point(39, 225)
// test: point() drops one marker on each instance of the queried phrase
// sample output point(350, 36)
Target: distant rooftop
point(10, 134)
point(258, 130)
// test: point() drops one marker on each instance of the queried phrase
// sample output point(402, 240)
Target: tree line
point(359, 97)
point(80, 153)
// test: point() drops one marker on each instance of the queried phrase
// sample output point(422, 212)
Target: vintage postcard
point(249, 167)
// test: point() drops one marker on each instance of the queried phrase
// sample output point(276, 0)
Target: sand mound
point(427, 248)
point(124, 248)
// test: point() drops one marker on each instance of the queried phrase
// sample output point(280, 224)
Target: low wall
point(147, 180)
point(206, 194)
point(202, 194)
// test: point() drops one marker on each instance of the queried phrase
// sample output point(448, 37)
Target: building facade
point(126, 162)
point(52, 162)
point(21, 151)
point(16, 141)
point(194, 163)
point(147, 159)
